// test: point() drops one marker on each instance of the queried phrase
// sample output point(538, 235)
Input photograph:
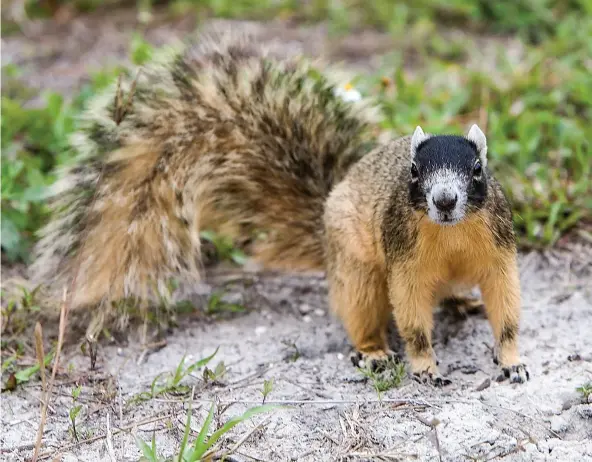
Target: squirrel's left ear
point(478, 137)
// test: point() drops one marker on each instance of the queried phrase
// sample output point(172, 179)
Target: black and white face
point(448, 178)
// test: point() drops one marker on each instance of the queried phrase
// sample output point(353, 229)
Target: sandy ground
point(332, 412)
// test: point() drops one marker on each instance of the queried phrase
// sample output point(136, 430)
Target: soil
point(332, 411)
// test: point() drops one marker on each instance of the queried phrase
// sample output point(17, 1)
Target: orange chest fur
point(460, 253)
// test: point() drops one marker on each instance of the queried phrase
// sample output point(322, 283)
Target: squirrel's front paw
point(376, 361)
point(517, 373)
point(424, 369)
point(430, 378)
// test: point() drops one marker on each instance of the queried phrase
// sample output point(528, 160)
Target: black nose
point(446, 202)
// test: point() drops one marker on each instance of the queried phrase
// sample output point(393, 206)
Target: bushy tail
point(222, 136)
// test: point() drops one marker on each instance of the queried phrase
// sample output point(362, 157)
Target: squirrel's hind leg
point(358, 295)
point(356, 273)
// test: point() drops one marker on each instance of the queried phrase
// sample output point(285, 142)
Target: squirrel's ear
point(418, 137)
point(478, 137)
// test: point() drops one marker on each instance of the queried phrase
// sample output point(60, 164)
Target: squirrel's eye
point(414, 172)
point(477, 169)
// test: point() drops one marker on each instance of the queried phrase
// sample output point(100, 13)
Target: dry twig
point(109, 440)
point(40, 354)
point(432, 424)
point(62, 331)
point(318, 393)
point(317, 402)
point(126, 428)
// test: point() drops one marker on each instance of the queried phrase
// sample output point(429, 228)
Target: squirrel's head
point(448, 178)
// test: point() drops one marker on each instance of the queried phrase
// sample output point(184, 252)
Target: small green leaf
point(26, 374)
point(155, 390)
point(149, 453)
point(179, 372)
point(74, 412)
point(267, 388)
point(239, 257)
point(8, 361)
point(201, 362)
point(76, 392)
point(141, 50)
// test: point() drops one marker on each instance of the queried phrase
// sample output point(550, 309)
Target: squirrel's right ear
point(418, 137)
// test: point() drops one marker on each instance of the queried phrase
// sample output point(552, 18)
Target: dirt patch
point(334, 413)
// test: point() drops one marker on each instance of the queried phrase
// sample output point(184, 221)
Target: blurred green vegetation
point(34, 142)
point(536, 112)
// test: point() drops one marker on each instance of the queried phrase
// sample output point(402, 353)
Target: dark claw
point(356, 358)
point(446, 382)
point(441, 381)
point(494, 356)
point(375, 365)
point(428, 378)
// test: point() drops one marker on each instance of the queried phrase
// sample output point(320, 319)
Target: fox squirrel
point(229, 137)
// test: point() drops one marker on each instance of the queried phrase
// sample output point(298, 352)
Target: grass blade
point(185, 434)
point(199, 447)
point(148, 453)
point(236, 420)
point(201, 362)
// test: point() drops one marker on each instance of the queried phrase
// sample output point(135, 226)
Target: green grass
point(203, 447)
point(585, 390)
point(173, 382)
point(533, 20)
point(535, 113)
point(205, 444)
point(216, 305)
point(19, 306)
point(16, 376)
point(34, 141)
point(225, 249)
point(391, 377)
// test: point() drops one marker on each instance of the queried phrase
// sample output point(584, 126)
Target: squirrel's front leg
point(412, 301)
point(501, 293)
